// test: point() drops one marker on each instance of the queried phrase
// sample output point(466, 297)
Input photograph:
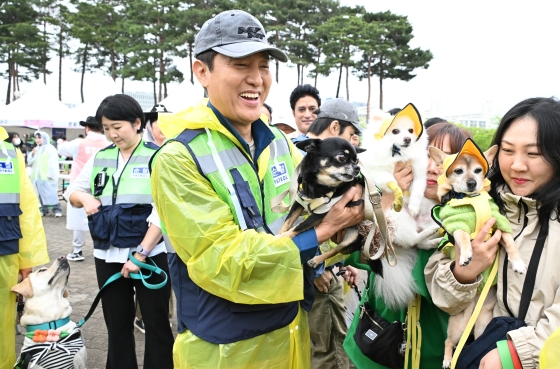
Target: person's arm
point(53, 168)
point(69, 149)
point(78, 193)
point(151, 239)
point(451, 286)
point(33, 245)
point(240, 266)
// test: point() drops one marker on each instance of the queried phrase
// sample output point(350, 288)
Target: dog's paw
point(313, 263)
point(446, 364)
point(519, 267)
point(465, 258)
point(414, 209)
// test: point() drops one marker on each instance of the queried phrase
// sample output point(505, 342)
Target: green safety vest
point(10, 232)
point(126, 202)
point(253, 195)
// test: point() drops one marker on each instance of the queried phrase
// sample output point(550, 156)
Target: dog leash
point(152, 269)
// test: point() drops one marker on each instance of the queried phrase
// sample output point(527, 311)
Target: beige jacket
point(543, 316)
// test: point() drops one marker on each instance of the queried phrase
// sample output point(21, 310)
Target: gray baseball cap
point(236, 34)
point(340, 109)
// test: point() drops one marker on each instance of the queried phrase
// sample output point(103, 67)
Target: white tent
point(186, 95)
point(38, 107)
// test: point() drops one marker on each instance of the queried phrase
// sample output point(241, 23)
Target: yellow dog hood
point(3, 134)
point(469, 148)
point(408, 112)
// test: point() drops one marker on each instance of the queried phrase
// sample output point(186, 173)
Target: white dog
point(52, 341)
point(401, 138)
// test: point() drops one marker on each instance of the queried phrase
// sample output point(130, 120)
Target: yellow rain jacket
point(243, 267)
point(32, 252)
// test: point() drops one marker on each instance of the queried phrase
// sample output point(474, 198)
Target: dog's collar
point(50, 325)
point(395, 150)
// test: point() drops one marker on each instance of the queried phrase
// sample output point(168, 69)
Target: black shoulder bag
point(499, 326)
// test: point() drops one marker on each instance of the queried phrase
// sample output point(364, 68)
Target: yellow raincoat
point(32, 252)
point(243, 267)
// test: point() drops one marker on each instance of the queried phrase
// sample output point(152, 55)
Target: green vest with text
point(126, 201)
point(10, 231)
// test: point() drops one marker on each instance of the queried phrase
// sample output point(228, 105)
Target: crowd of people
point(191, 193)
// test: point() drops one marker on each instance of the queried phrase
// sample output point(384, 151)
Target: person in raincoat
point(44, 161)
point(240, 289)
point(22, 240)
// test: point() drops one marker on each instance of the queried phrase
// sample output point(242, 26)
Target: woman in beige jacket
point(526, 185)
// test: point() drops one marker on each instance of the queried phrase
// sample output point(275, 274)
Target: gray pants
point(327, 327)
point(79, 241)
point(56, 209)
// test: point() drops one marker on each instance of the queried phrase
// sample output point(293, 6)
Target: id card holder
point(100, 182)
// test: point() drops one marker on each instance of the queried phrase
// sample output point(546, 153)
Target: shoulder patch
point(151, 145)
point(111, 146)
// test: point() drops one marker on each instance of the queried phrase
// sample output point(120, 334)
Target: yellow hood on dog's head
point(469, 148)
point(410, 112)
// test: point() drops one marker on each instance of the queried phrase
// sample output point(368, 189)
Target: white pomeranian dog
point(401, 138)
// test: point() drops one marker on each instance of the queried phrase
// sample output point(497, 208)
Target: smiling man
point(242, 293)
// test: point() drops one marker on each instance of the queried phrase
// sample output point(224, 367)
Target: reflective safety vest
point(236, 181)
point(126, 202)
point(10, 231)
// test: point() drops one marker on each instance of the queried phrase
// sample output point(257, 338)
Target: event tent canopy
point(37, 108)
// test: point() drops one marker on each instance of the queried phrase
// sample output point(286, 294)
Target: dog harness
point(52, 355)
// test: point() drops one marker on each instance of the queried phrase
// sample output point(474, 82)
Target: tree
point(340, 34)
point(62, 36)
point(20, 44)
point(46, 19)
point(392, 57)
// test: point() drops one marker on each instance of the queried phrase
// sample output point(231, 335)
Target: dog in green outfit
point(466, 207)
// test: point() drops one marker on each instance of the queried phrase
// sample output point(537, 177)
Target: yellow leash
point(476, 311)
point(414, 331)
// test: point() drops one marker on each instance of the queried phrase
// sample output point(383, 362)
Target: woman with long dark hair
point(526, 186)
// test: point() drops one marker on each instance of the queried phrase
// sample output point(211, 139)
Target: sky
point(486, 53)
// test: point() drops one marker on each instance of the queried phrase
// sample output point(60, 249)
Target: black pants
point(118, 311)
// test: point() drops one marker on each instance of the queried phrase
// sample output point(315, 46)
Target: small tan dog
point(52, 339)
point(466, 207)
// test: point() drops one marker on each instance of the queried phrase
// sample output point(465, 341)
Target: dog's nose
point(406, 140)
point(471, 184)
point(61, 257)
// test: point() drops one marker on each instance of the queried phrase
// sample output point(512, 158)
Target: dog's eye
point(478, 170)
point(411, 131)
point(341, 158)
point(395, 131)
point(41, 270)
point(458, 171)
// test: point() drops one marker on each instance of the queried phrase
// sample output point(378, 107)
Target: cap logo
point(252, 32)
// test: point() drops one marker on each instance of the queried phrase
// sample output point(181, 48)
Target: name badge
point(6, 167)
point(280, 174)
point(140, 172)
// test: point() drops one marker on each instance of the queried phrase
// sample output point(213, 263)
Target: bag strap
point(414, 331)
point(476, 311)
point(530, 278)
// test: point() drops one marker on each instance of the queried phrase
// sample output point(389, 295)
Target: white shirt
point(83, 183)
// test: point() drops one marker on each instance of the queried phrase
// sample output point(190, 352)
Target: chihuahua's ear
point(309, 145)
point(437, 156)
point(65, 293)
point(490, 154)
point(360, 149)
point(24, 288)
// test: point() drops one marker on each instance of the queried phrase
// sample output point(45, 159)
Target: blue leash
point(151, 268)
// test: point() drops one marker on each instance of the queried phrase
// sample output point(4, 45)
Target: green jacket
point(433, 321)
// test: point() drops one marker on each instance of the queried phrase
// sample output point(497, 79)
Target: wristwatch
point(140, 249)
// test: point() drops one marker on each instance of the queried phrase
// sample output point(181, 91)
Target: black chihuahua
point(328, 170)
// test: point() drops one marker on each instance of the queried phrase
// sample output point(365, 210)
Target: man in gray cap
point(240, 290)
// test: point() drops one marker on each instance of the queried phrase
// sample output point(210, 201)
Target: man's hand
point(340, 216)
point(483, 255)
point(351, 275)
point(323, 282)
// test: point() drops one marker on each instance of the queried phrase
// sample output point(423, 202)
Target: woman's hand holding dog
point(484, 253)
point(340, 216)
point(404, 177)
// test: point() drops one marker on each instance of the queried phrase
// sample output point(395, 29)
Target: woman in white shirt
point(115, 191)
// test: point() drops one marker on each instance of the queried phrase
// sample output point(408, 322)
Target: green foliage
point(482, 136)
point(142, 39)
